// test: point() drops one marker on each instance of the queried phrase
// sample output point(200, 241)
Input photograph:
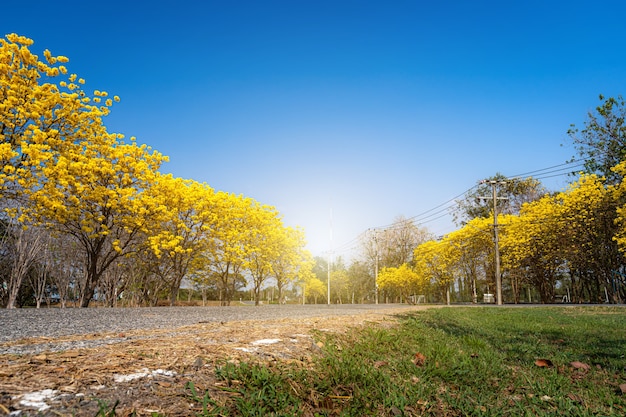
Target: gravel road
point(56, 322)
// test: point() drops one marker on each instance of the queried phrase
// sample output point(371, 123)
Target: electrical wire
point(450, 207)
point(540, 171)
point(420, 218)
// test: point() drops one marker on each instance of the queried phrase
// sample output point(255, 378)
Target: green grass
point(476, 362)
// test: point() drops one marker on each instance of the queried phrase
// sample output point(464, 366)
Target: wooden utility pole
point(376, 272)
point(498, 275)
point(496, 244)
point(330, 254)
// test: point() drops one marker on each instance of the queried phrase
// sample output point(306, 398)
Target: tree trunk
point(15, 284)
point(257, 295)
point(92, 277)
point(38, 280)
point(280, 294)
point(88, 293)
point(173, 295)
point(28, 244)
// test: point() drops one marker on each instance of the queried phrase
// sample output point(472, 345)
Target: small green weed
point(105, 410)
point(209, 406)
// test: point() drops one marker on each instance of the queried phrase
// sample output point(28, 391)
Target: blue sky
point(364, 109)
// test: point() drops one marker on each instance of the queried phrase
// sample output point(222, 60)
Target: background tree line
point(554, 246)
point(560, 246)
point(87, 214)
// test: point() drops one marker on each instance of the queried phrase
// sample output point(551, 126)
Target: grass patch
point(452, 362)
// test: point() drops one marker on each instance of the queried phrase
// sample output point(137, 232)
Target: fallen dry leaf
point(580, 365)
point(575, 398)
point(622, 387)
point(419, 359)
point(379, 364)
point(544, 363)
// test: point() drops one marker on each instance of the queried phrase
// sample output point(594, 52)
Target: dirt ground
point(146, 373)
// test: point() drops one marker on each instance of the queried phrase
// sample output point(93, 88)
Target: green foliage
point(602, 142)
point(512, 194)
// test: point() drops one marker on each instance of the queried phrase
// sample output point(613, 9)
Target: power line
point(551, 173)
point(539, 171)
point(349, 245)
point(425, 215)
point(448, 207)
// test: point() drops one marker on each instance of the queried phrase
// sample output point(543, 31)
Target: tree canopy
point(602, 140)
point(63, 171)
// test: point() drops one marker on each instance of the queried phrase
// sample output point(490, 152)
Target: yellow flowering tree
point(99, 198)
point(590, 211)
point(26, 105)
point(531, 246)
point(263, 245)
point(62, 164)
point(305, 274)
point(293, 260)
point(568, 238)
point(434, 263)
point(339, 285)
point(619, 192)
point(313, 288)
point(471, 251)
point(183, 230)
point(37, 115)
point(403, 280)
point(225, 254)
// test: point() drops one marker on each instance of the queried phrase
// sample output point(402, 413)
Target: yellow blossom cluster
point(559, 235)
point(77, 178)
